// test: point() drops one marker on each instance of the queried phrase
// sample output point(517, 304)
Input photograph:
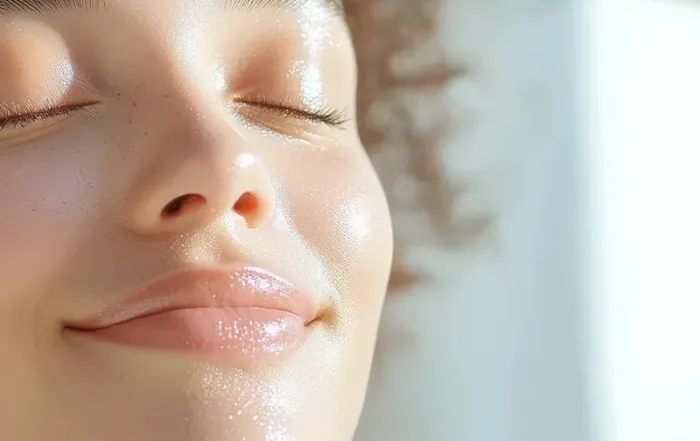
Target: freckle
point(134, 103)
point(145, 133)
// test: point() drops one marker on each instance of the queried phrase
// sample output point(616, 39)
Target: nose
point(194, 176)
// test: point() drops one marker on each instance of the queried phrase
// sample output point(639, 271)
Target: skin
point(176, 91)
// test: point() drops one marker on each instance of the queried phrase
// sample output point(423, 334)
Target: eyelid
point(330, 116)
point(19, 118)
point(23, 127)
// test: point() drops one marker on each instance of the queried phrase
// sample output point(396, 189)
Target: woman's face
point(193, 243)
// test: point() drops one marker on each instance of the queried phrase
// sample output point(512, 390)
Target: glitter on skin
point(315, 29)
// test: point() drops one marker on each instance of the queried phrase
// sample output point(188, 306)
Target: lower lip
point(235, 333)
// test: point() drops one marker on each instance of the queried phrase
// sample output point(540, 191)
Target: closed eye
point(21, 120)
point(331, 117)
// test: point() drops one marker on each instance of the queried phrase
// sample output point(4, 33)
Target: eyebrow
point(49, 6)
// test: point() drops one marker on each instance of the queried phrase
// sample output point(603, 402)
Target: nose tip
point(195, 192)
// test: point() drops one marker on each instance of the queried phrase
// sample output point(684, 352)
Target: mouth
point(240, 315)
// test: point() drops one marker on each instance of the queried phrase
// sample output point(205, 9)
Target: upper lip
point(205, 288)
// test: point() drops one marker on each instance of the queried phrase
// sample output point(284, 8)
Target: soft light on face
point(197, 163)
point(47, 75)
point(315, 37)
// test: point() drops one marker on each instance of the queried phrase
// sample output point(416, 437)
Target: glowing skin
point(183, 158)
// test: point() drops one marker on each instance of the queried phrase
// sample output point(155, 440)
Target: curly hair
point(402, 72)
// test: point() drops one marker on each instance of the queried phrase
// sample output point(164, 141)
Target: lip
point(242, 314)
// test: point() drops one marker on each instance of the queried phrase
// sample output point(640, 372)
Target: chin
point(113, 393)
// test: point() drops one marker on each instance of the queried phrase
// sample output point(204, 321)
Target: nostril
point(247, 206)
point(182, 203)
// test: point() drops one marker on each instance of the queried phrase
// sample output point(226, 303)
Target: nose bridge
point(198, 168)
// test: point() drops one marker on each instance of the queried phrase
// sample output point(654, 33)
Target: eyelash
point(22, 120)
point(325, 115)
point(328, 116)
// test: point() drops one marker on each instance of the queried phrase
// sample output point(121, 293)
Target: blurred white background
point(580, 320)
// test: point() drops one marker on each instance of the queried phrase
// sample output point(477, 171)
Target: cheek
point(46, 195)
point(340, 209)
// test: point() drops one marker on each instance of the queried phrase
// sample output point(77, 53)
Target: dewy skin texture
point(194, 245)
